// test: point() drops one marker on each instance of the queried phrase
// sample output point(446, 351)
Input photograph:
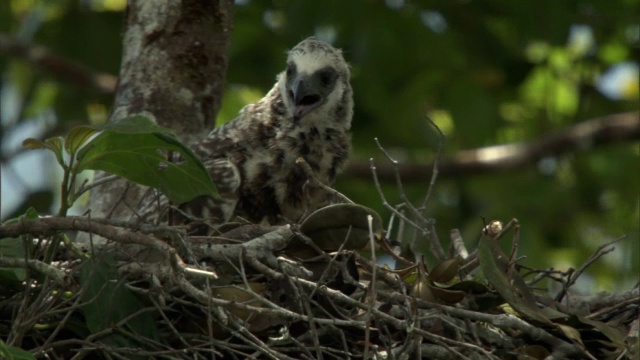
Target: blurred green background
point(487, 72)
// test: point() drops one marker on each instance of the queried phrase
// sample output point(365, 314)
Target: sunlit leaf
point(31, 143)
point(77, 137)
point(53, 144)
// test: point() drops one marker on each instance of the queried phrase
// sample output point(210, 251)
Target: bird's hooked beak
point(304, 96)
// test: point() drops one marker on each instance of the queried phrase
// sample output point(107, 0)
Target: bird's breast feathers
point(306, 114)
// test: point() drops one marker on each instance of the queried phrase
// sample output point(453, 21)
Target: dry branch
point(611, 129)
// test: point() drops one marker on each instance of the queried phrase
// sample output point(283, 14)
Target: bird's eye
point(290, 70)
point(326, 77)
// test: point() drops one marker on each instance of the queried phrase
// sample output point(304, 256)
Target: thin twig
point(84, 187)
point(372, 293)
point(385, 203)
point(434, 173)
point(314, 181)
point(398, 178)
point(600, 251)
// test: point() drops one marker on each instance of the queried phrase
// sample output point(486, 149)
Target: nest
point(315, 290)
point(318, 289)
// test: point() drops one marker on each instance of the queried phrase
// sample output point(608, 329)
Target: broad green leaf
point(107, 301)
point(133, 125)
point(137, 149)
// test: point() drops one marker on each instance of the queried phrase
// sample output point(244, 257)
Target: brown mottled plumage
point(252, 159)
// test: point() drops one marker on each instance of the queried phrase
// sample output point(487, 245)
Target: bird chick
point(252, 159)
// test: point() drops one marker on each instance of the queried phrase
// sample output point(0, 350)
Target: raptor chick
point(252, 159)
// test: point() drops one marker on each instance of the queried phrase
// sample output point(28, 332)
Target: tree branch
point(580, 137)
point(51, 225)
point(63, 68)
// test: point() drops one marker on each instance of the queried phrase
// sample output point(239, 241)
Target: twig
point(600, 251)
point(384, 244)
point(618, 305)
point(53, 225)
point(385, 203)
point(314, 181)
point(332, 260)
point(84, 187)
point(425, 225)
point(398, 178)
point(200, 272)
point(457, 245)
point(434, 174)
point(372, 293)
point(57, 275)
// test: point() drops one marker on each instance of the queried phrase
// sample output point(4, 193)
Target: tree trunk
point(173, 70)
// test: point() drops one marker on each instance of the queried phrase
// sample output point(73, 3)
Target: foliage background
point(487, 72)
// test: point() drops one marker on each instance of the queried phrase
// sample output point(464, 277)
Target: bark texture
point(173, 70)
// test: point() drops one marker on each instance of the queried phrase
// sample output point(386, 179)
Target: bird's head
point(316, 81)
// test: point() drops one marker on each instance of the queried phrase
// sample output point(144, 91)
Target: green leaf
point(12, 248)
point(30, 214)
point(107, 301)
point(137, 149)
point(15, 248)
point(14, 353)
point(77, 137)
point(53, 144)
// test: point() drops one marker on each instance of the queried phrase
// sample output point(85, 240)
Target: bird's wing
point(223, 152)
